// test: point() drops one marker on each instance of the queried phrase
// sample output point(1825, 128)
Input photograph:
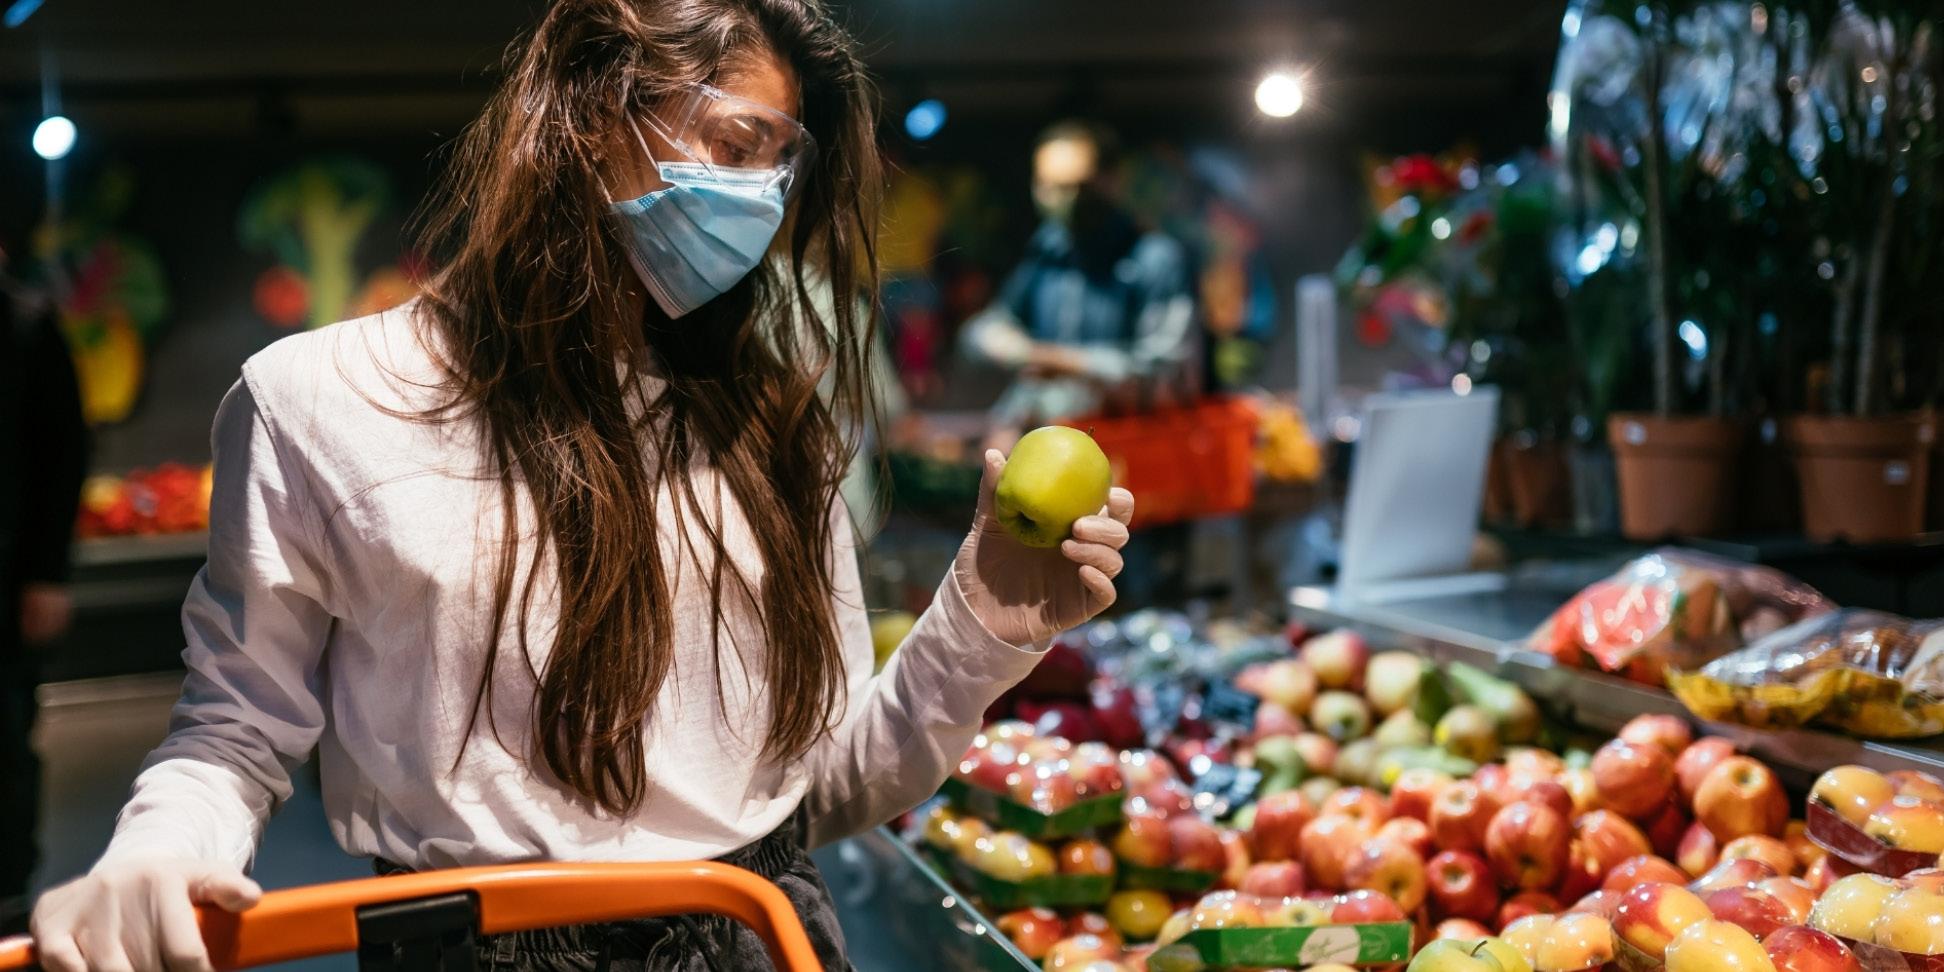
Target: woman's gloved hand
point(136, 915)
point(1026, 594)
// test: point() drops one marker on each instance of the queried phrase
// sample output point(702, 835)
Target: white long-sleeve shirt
point(344, 606)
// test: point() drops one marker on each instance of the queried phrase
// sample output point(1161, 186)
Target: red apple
point(1414, 792)
point(1650, 915)
point(1733, 874)
point(1799, 948)
point(1534, 789)
point(1392, 868)
point(1093, 923)
point(1665, 829)
point(1197, 845)
point(1144, 840)
point(1461, 886)
point(1033, 930)
point(1739, 797)
point(1527, 845)
point(1338, 658)
point(1080, 952)
point(1279, 822)
point(1226, 909)
point(1633, 780)
point(1609, 839)
point(1274, 879)
point(1460, 928)
point(1769, 850)
point(1646, 869)
point(1086, 857)
point(1692, 766)
point(1576, 941)
point(1365, 907)
point(1408, 831)
point(1459, 815)
point(1362, 804)
point(1755, 910)
point(1581, 876)
point(1795, 895)
point(1491, 779)
point(1699, 850)
point(1579, 786)
point(1328, 843)
point(1235, 851)
point(1526, 904)
point(1668, 732)
point(1289, 684)
point(1602, 903)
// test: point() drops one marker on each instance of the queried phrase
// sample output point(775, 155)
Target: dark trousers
point(20, 769)
point(680, 943)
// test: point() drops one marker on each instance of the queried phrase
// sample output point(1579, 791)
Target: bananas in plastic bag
point(1867, 673)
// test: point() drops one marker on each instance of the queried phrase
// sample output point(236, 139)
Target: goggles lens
point(733, 139)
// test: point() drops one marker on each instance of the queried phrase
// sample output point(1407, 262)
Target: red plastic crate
point(1182, 463)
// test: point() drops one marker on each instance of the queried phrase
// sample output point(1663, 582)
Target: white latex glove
point(1029, 594)
point(136, 915)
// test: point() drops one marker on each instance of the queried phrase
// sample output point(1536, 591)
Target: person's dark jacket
point(43, 450)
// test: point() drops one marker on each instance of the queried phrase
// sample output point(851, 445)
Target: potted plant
point(1864, 459)
point(1631, 134)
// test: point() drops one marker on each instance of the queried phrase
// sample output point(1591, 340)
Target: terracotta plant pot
point(1540, 482)
point(1677, 473)
point(1863, 479)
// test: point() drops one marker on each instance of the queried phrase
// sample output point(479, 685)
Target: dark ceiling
point(185, 65)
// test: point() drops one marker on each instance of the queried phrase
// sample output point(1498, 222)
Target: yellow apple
point(1912, 921)
point(1716, 946)
point(1849, 909)
point(1054, 476)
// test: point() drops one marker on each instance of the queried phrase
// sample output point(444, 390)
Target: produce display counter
point(898, 913)
point(1484, 619)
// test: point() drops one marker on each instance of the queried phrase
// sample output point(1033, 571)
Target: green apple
point(1469, 955)
point(1055, 475)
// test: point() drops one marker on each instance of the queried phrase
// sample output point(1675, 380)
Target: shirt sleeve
point(998, 335)
point(905, 728)
point(256, 626)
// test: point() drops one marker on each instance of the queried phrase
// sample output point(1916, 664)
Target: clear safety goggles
point(730, 140)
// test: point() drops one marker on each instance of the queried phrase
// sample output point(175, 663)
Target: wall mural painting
point(109, 291)
point(312, 218)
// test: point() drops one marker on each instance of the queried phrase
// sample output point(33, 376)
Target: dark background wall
point(200, 99)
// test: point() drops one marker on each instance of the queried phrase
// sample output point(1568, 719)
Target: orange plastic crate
point(1182, 463)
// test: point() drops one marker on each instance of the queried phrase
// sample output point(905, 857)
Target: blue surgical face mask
point(693, 240)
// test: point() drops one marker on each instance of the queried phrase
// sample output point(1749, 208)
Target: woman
point(551, 564)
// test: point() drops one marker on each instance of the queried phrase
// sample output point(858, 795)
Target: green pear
point(1055, 475)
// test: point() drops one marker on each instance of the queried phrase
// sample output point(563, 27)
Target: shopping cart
point(429, 920)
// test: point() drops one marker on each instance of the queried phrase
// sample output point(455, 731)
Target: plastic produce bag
point(1673, 609)
point(1865, 672)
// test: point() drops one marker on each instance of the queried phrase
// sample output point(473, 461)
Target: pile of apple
point(1044, 772)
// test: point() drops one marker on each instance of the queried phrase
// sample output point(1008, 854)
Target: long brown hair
point(545, 337)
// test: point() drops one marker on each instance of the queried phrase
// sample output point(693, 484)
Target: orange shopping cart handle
point(322, 919)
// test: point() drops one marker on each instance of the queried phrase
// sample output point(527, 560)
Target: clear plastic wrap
point(1672, 610)
point(1865, 672)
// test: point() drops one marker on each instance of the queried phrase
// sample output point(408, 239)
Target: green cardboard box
point(1385, 943)
point(1003, 813)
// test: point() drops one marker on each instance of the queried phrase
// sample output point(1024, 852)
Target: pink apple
point(1527, 845)
point(1459, 815)
point(1526, 904)
point(1755, 910)
point(1609, 839)
point(1646, 869)
point(1391, 868)
point(1799, 948)
point(1197, 845)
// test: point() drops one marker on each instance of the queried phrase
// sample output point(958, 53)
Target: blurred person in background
point(43, 457)
point(1099, 311)
point(1099, 314)
point(552, 562)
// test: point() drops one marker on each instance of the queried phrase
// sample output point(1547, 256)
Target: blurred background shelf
point(1484, 619)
